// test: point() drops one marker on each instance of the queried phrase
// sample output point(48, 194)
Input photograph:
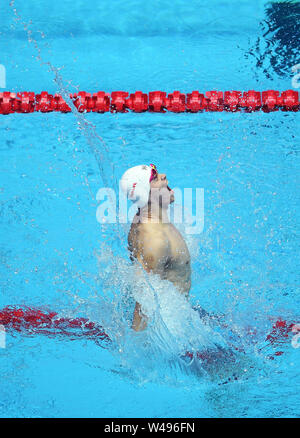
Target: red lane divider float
point(33, 321)
point(156, 101)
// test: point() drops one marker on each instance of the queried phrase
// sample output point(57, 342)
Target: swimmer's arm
point(139, 321)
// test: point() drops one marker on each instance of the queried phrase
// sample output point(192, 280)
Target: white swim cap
point(135, 183)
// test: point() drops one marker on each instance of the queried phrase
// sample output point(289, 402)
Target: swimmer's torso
point(161, 249)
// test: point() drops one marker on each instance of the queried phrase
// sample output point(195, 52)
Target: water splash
point(95, 142)
point(174, 327)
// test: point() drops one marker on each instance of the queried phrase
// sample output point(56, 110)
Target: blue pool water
point(56, 256)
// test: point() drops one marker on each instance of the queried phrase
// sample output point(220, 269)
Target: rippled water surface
point(56, 256)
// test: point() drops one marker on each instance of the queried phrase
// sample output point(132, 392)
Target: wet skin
point(157, 245)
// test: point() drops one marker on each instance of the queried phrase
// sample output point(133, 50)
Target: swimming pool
point(56, 256)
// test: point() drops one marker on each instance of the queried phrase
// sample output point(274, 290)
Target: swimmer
point(153, 241)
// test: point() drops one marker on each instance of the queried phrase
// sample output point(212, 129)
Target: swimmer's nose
point(163, 176)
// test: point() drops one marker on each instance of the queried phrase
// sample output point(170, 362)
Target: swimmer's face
point(160, 191)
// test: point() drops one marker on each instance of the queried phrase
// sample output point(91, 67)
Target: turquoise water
point(56, 256)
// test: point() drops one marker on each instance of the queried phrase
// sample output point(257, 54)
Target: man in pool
point(153, 241)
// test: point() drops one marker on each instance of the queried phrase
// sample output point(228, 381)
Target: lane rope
point(32, 321)
point(154, 101)
point(36, 321)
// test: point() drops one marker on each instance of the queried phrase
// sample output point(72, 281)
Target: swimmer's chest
point(178, 253)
